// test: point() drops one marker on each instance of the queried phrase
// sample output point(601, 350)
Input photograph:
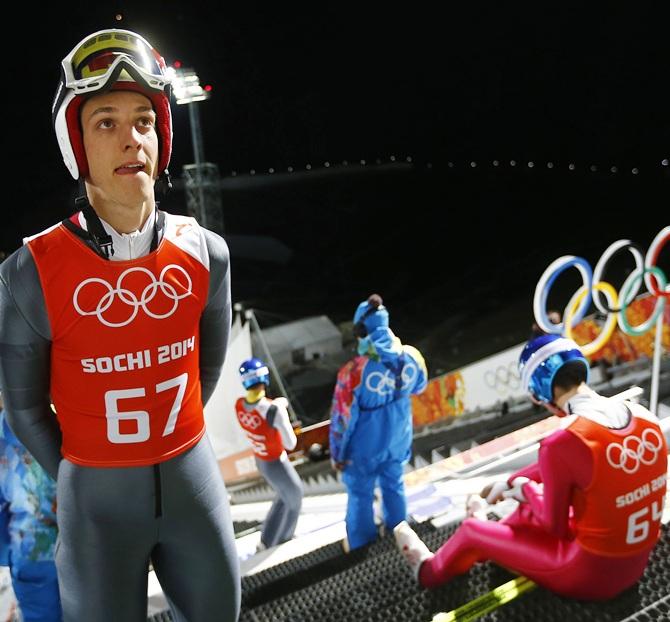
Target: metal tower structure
point(201, 179)
point(203, 194)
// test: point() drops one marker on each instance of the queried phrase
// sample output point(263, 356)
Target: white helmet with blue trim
point(110, 59)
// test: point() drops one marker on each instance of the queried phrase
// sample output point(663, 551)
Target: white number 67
point(141, 417)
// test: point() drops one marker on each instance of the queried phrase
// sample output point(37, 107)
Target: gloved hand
point(494, 492)
point(498, 491)
point(475, 507)
point(515, 491)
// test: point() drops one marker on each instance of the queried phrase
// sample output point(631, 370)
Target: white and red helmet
point(109, 60)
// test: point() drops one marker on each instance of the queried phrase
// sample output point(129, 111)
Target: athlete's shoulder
point(187, 235)
point(42, 234)
point(637, 410)
point(22, 289)
point(561, 438)
point(263, 405)
point(217, 248)
point(19, 265)
point(202, 243)
point(239, 403)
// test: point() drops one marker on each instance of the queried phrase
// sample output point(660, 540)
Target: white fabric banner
point(493, 379)
point(222, 427)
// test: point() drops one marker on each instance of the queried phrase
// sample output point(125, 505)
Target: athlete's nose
point(132, 139)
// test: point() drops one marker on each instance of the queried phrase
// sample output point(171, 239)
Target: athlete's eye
point(146, 121)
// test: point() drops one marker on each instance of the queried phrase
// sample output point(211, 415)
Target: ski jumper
point(267, 425)
point(587, 530)
point(129, 351)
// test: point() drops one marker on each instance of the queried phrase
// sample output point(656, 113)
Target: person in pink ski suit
point(589, 510)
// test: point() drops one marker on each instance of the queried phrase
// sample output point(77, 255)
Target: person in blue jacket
point(28, 529)
point(371, 421)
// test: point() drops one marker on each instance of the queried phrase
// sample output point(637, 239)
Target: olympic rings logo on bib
point(615, 303)
point(635, 451)
point(250, 420)
point(131, 300)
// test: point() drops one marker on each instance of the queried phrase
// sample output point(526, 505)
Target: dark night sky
point(331, 82)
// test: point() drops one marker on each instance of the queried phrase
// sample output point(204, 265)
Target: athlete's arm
point(216, 317)
point(532, 471)
point(282, 423)
point(565, 463)
point(25, 359)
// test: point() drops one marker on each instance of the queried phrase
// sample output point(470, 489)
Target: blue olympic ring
point(593, 286)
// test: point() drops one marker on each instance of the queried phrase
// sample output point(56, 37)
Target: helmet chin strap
point(100, 238)
point(162, 186)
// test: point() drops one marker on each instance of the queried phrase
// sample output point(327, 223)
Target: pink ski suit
point(587, 532)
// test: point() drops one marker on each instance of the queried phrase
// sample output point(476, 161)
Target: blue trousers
point(360, 479)
point(28, 530)
point(35, 583)
point(36, 589)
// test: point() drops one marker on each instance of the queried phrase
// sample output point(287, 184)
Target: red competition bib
point(621, 514)
point(265, 440)
point(125, 377)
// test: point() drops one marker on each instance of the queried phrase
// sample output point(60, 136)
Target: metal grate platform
point(374, 583)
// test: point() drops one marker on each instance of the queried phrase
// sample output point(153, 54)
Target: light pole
point(200, 176)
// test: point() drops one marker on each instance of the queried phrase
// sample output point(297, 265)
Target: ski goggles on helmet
point(253, 372)
point(110, 56)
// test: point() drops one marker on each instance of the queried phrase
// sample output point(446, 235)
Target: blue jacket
point(371, 412)
point(28, 498)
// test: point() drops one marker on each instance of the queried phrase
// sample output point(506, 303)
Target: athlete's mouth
point(130, 168)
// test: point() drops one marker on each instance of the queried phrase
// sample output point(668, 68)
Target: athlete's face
point(121, 145)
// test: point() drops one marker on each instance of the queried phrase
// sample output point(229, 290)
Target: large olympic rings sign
point(504, 379)
point(615, 303)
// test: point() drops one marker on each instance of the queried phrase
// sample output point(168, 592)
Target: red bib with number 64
point(620, 513)
point(125, 379)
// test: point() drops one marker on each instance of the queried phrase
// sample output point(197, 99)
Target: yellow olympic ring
point(610, 324)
